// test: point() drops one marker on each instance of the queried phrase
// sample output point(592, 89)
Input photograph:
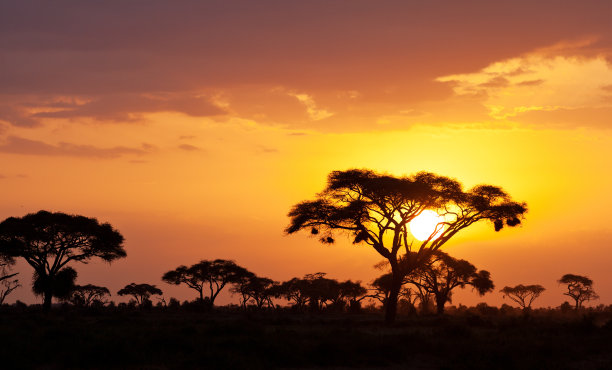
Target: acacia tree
point(7, 283)
point(294, 290)
point(212, 274)
point(49, 241)
point(258, 289)
point(579, 288)
point(375, 209)
point(141, 292)
point(524, 295)
point(87, 295)
point(445, 273)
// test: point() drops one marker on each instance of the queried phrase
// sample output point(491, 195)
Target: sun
point(425, 224)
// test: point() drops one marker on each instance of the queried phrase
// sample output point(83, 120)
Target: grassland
point(165, 339)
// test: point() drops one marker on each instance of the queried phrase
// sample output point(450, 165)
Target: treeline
point(50, 241)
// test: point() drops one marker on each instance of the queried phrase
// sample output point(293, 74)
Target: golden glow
point(424, 225)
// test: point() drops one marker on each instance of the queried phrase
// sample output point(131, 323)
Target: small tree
point(49, 241)
point(258, 289)
point(7, 283)
point(87, 295)
point(445, 273)
point(212, 274)
point(579, 288)
point(141, 292)
point(375, 209)
point(524, 295)
point(294, 290)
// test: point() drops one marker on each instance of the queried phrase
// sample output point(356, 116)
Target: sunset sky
point(194, 126)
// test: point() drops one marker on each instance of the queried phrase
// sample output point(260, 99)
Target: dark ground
point(216, 340)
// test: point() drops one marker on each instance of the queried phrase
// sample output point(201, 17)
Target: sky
point(193, 127)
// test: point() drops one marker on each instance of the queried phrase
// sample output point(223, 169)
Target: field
point(157, 339)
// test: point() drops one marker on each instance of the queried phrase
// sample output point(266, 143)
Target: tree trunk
point(47, 299)
point(440, 305)
point(391, 304)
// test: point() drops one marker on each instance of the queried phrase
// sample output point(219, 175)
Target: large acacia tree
point(375, 209)
point(50, 241)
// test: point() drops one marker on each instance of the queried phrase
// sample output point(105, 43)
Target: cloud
point(113, 107)
point(315, 113)
point(19, 145)
point(537, 82)
point(189, 148)
point(116, 61)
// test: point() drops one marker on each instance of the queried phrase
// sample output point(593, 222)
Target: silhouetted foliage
point(524, 295)
point(60, 285)
point(259, 290)
point(212, 274)
point(89, 295)
point(579, 288)
point(49, 241)
point(444, 273)
point(319, 292)
point(375, 209)
point(141, 292)
point(381, 289)
point(7, 283)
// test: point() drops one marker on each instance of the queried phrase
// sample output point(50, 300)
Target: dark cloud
point(128, 58)
point(19, 145)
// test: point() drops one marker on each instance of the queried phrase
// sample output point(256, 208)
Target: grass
point(132, 339)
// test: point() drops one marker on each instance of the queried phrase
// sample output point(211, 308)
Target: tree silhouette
point(381, 289)
point(375, 209)
point(87, 295)
point(445, 273)
point(294, 290)
point(579, 288)
point(141, 292)
point(7, 283)
point(212, 274)
point(524, 295)
point(59, 285)
point(49, 241)
point(252, 287)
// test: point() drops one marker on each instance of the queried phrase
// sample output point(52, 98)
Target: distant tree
point(294, 290)
point(375, 209)
point(59, 285)
point(212, 274)
point(49, 241)
point(141, 292)
point(251, 287)
point(7, 283)
point(445, 273)
point(579, 288)
point(87, 295)
point(524, 295)
point(381, 289)
point(354, 292)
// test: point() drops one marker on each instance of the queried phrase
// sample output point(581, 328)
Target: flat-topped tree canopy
point(48, 241)
point(376, 209)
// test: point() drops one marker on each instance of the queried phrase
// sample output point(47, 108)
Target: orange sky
point(194, 127)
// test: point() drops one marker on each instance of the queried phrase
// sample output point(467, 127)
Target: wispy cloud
point(315, 113)
point(19, 145)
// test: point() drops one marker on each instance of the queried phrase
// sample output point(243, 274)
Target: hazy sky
point(194, 126)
